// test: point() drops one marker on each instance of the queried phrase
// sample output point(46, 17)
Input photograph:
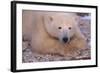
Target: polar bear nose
point(65, 39)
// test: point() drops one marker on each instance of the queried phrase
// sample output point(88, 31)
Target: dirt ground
point(29, 56)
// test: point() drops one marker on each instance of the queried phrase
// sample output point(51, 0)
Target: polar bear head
point(61, 25)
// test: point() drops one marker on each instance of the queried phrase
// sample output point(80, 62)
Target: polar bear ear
point(77, 18)
point(47, 19)
point(51, 18)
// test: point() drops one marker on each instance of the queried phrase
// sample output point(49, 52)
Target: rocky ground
point(29, 56)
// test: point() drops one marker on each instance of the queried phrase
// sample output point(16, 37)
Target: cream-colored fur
point(42, 29)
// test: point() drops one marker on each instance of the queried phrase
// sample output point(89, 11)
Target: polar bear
point(54, 33)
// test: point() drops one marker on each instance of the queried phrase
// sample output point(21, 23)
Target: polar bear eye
point(59, 27)
point(69, 28)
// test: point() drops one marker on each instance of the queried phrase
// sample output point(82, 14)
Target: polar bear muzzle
point(65, 39)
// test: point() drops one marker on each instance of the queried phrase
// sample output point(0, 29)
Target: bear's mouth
point(70, 39)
